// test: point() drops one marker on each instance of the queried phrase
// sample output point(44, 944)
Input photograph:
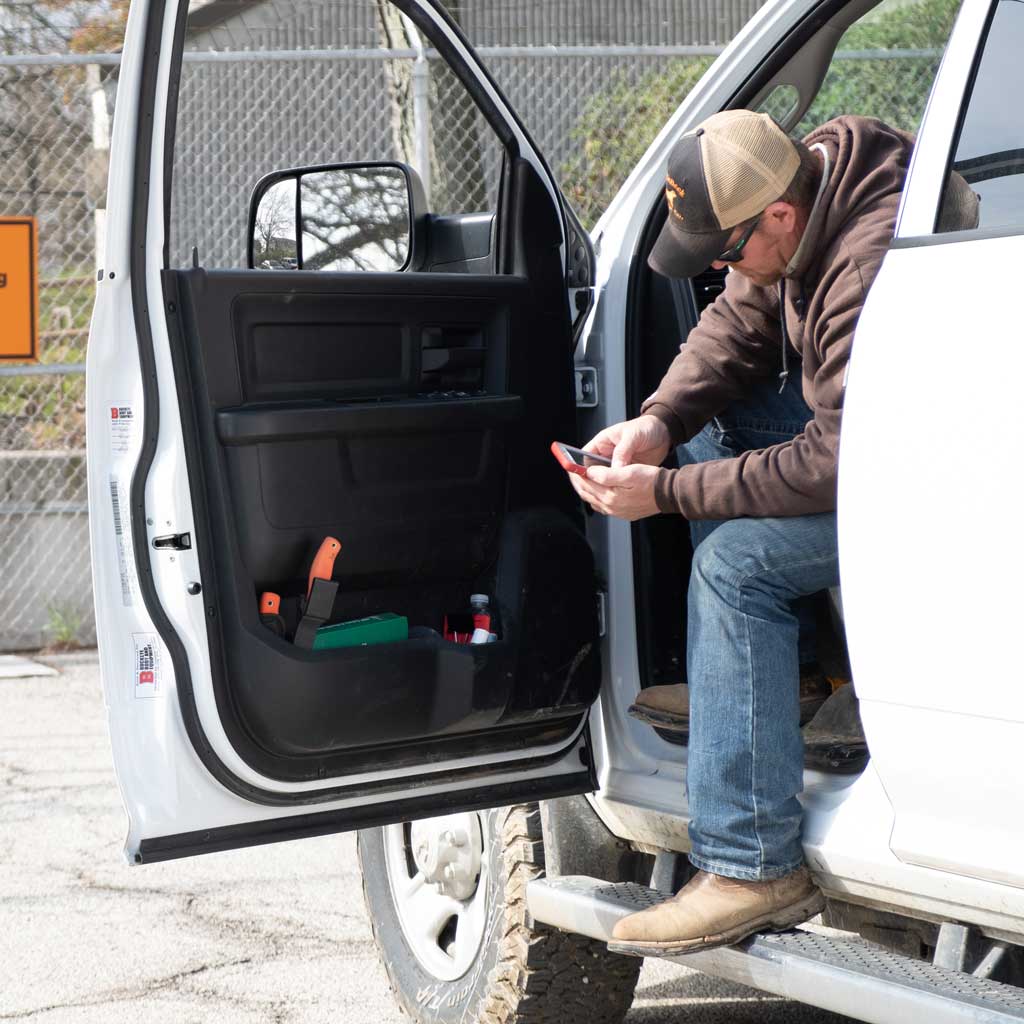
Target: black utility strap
point(317, 612)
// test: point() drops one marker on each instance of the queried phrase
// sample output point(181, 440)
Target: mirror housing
point(338, 217)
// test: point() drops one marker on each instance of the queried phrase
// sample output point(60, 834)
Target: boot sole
point(681, 723)
point(780, 920)
point(661, 719)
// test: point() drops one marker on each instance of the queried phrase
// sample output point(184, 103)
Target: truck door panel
point(322, 406)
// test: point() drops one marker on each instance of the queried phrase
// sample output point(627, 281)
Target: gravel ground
point(274, 934)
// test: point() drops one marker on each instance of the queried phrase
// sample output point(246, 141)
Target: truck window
point(883, 67)
point(989, 152)
point(269, 86)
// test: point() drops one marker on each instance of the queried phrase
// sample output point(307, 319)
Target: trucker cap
point(720, 174)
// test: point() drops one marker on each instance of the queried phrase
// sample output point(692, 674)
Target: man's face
point(769, 249)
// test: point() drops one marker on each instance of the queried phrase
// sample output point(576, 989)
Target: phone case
point(566, 461)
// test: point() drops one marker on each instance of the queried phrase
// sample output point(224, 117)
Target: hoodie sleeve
point(799, 476)
point(736, 342)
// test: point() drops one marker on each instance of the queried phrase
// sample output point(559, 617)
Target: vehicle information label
point(125, 565)
point(148, 674)
point(122, 429)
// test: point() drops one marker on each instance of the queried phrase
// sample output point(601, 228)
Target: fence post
point(421, 117)
point(101, 148)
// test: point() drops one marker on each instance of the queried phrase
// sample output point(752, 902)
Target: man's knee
point(721, 562)
point(779, 559)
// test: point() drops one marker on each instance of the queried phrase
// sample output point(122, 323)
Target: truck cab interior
point(798, 86)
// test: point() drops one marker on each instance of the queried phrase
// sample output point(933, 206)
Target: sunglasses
point(735, 252)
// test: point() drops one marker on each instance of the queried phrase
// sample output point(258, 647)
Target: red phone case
point(566, 461)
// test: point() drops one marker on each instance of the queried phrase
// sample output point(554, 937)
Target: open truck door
point(403, 402)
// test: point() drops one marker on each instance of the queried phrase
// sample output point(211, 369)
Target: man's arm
point(737, 341)
point(794, 478)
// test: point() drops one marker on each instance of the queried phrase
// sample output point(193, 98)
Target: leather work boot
point(711, 910)
point(834, 739)
point(668, 707)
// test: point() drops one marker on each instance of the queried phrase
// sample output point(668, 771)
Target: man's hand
point(645, 440)
point(626, 490)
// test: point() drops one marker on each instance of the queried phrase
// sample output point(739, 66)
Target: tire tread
point(542, 975)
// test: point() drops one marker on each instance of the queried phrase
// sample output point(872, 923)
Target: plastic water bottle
point(481, 605)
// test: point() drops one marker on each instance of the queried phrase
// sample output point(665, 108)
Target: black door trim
point(305, 826)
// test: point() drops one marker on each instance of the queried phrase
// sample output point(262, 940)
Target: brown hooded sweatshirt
point(738, 340)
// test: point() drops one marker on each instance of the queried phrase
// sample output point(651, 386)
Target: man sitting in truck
point(754, 399)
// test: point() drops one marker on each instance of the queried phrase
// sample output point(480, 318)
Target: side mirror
point(338, 217)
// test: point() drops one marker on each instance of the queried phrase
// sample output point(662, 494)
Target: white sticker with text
point(122, 429)
point(148, 674)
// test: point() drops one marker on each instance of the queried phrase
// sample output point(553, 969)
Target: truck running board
point(847, 976)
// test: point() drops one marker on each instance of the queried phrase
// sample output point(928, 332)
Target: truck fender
point(577, 842)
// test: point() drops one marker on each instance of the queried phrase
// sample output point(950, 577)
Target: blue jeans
point(745, 762)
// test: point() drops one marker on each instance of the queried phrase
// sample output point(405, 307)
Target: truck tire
point(509, 969)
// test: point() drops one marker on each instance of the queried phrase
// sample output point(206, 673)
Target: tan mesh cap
point(720, 174)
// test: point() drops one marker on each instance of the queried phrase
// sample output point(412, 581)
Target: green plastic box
point(385, 628)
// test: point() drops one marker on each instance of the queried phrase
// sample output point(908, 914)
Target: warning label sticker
point(148, 675)
point(125, 564)
point(19, 288)
point(122, 429)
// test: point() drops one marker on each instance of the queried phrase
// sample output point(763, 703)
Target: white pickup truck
point(390, 371)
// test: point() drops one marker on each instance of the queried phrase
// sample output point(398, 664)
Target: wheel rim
point(437, 872)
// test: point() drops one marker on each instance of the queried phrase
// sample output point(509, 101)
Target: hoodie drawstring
point(784, 376)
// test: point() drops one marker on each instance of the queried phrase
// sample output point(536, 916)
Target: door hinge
point(586, 387)
point(173, 542)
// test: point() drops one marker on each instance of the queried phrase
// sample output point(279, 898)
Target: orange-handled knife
point(323, 564)
point(270, 612)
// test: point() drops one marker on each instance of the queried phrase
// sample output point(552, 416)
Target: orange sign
point(19, 289)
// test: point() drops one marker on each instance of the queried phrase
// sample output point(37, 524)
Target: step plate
point(847, 976)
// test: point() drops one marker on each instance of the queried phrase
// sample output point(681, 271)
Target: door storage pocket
point(545, 666)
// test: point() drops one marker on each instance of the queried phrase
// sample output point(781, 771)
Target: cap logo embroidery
point(672, 192)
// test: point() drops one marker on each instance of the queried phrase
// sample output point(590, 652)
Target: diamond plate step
point(842, 975)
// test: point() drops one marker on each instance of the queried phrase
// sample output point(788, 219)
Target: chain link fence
point(51, 169)
point(592, 110)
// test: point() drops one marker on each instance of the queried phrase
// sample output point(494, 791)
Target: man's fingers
point(595, 492)
point(587, 490)
point(612, 491)
point(605, 448)
point(601, 499)
point(622, 454)
point(602, 443)
point(609, 476)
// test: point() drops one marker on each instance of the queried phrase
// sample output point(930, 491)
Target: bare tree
point(356, 221)
point(54, 26)
point(398, 73)
point(456, 166)
point(275, 221)
point(45, 117)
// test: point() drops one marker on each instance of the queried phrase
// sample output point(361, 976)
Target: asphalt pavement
point(261, 936)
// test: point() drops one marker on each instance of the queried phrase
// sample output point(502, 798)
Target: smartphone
point(576, 460)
